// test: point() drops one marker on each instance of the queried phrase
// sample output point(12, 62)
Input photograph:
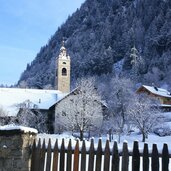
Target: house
point(79, 95)
point(161, 94)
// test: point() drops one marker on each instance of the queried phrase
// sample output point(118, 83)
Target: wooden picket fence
point(80, 158)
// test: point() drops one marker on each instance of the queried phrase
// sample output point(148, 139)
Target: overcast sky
point(25, 26)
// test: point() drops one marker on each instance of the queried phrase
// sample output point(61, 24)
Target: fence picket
point(62, 156)
point(33, 156)
point(76, 157)
point(135, 157)
point(42, 156)
point(155, 158)
point(55, 157)
point(145, 158)
point(107, 156)
point(37, 159)
point(83, 157)
point(115, 158)
point(48, 162)
point(91, 156)
point(125, 157)
point(99, 156)
point(165, 158)
point(69, 156)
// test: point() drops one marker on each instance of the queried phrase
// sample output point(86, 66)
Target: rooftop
point(10, 98)
point(158, 91)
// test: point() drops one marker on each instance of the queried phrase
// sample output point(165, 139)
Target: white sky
point(26, 26)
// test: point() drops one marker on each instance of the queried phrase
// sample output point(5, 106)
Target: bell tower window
point(64, 72)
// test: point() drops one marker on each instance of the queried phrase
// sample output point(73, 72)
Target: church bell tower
point(63, 70)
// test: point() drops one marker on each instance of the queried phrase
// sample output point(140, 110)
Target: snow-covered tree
point(3, 116)
point(23, 84)
point(117, 94)
point(82, 109)
point(122, 90)
point(137, 64)
point(30, 116)
point(144, 113)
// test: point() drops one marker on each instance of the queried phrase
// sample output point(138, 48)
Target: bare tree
point(82, 109)
point(117, 93)
point(29, 115)
point(144, 113)
point(122, 90)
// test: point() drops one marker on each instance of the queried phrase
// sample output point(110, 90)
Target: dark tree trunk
point(143, 137)
point(110, 135)
point(81, 135)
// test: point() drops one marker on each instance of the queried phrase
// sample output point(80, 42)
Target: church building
point(41, 99)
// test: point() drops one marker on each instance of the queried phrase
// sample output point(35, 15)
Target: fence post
point(83, 157)
point(62, 156)
point(115, 157)
point(135, 157)
point(55, 157)
point(76, 157)
point(49, 150)
point(33, 156)
point(37, 156)
point(155, 158)
point(91, 156)
point(15, 151)
point(69, 156)
point(42, 155)
point(107, 156)
point(145, 158)
point(99, 156)
point(165, 158)
point(125, 157)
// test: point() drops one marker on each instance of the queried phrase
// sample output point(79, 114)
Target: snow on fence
point(81, 158)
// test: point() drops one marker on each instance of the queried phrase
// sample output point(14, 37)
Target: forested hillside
point(99, 37)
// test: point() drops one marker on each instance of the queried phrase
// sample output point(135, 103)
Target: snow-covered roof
point(42, 99)
point(158, 91)
point(21, 128)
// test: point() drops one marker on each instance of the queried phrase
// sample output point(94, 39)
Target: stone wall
point(15, 149)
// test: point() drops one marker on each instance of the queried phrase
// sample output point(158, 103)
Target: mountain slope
point(102, 33)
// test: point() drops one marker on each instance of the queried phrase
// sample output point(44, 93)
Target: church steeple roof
point(63, 51)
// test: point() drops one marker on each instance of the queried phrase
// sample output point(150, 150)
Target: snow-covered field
point(152, 139)
point(134, 136)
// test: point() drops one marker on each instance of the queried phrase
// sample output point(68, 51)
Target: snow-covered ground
point(152, 139)
point(134, 136)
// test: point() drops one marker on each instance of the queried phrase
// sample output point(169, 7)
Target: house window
point(64, 72)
